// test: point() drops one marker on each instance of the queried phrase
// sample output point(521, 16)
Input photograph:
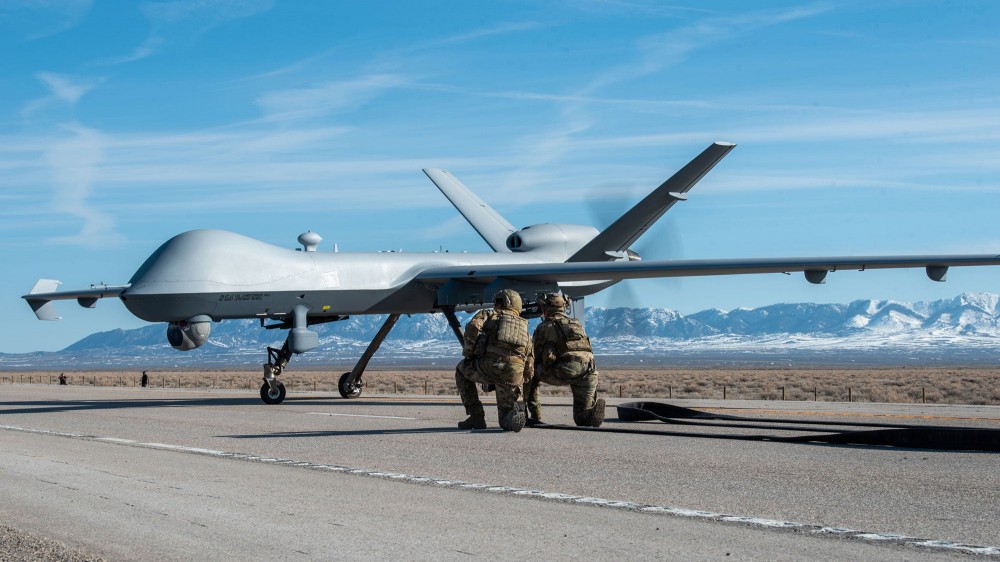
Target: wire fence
point(968, 390)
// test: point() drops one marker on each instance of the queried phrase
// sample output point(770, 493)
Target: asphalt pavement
point(144, 474)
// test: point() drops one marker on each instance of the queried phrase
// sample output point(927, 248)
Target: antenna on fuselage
point(310, 241)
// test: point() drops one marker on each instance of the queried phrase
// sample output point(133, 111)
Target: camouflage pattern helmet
point(508, 299)
point(552, 301)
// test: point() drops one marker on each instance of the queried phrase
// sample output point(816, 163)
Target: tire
point(271, 396)
point(346, 391)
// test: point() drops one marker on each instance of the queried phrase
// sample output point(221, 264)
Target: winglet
point(636, 221)
point(488, 223)
point(44, 309)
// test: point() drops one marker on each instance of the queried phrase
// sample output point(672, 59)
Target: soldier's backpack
point(574, 338)
point(509, 334)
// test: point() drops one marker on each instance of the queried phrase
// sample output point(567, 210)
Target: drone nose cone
point(217, 261)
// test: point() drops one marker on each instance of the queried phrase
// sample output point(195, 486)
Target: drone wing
point(44, 292)
point(815, 268)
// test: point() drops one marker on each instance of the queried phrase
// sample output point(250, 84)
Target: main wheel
point(346, 391)
point(272, 395)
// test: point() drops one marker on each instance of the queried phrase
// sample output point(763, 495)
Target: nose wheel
point(346, 388)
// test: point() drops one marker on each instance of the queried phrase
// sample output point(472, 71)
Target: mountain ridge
point(963, 328)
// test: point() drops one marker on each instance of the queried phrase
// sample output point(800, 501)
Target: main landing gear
point(350, 384)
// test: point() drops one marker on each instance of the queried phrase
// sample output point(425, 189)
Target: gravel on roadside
point(16, 545)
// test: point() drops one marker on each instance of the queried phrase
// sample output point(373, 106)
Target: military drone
point(201, 277)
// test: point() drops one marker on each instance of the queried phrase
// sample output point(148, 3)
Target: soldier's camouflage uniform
point(564, 357)
point(497, 351)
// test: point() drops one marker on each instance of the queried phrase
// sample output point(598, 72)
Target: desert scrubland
point(933, 385)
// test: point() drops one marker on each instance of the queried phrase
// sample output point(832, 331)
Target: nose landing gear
point(272, 391)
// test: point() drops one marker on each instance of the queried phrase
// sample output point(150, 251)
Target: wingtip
point(724, 143)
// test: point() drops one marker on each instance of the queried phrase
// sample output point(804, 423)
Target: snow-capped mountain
point(963, 329)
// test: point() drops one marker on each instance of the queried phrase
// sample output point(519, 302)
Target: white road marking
point(931, 544)
point(359, 416)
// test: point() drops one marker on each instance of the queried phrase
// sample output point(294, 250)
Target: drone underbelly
point(257, 304)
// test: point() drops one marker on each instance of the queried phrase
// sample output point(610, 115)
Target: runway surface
point(144, 474)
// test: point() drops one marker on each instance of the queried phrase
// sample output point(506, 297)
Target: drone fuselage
point(224, 275)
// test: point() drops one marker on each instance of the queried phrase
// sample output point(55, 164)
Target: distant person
point(563, 357)
point(144, 380)
point(497, 351)
point(62, 379)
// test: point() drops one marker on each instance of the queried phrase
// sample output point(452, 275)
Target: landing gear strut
point(350, 384)
point(272, 391)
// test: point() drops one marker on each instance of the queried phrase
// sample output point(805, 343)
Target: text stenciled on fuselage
point(237, 297)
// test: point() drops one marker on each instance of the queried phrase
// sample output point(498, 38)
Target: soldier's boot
point(597, 413)
point(475, 421)
point(514, 420)
point(534, 417)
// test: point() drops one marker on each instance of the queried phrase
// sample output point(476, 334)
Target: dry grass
point(956, 385)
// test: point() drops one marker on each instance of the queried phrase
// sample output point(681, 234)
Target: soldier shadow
point(54, 406)
point(361, 432)
point(336, 401)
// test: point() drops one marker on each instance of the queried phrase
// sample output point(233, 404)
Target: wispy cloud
point(659, 51)
point(327, 98)
point(476, 34)
point(63, 89)
point(74, 165)
point(654, 53)
point(68, 160)
point(147, 48)
point(896, 127)
point(381, 75)
point(204, 14)
point(37, 19)
point(184, 21)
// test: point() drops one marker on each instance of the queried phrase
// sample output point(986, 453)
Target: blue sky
point(863, 128)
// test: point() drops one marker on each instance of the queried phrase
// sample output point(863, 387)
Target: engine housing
point(558, 240)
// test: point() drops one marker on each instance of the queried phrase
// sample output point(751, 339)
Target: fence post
point(782, 393)
point(923, 394)
point(723, 392)
point(850, 394)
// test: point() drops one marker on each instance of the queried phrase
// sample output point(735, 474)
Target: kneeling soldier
point(563, 357)
point(497, 351)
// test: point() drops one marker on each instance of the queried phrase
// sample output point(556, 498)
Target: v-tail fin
point(488, 223)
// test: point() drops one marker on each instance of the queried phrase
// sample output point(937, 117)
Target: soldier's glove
point(488, 387)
